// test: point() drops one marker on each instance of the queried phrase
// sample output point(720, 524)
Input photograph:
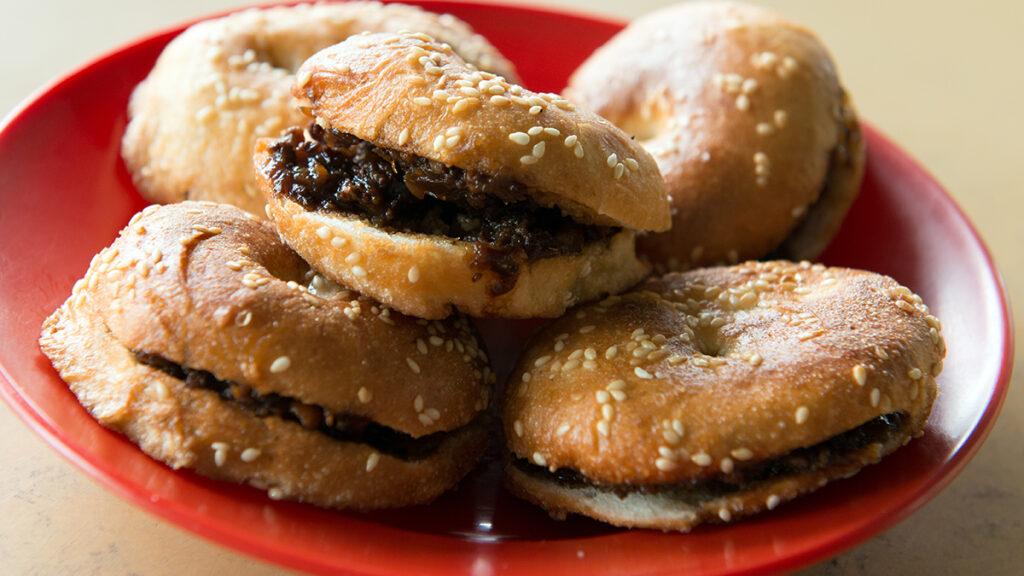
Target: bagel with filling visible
point(743, 110)
point(718, 393)
point(429, 185)
point(225, 82)
point(210, 344)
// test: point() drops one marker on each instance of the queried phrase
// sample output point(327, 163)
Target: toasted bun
point(223, 83)
point(408, 92)
point(207, 287)
point(743, 111)
point(428, 276)
point(691, 376)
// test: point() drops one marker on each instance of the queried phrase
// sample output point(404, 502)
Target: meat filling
point(832, 452)
point(329, 170)
point(343, 427)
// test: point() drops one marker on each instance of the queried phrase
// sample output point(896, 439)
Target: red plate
point(64, 194)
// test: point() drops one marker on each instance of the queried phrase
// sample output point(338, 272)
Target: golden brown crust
point(209, 287)
point(695, 374)
point(406, 92)
point(429, 276)
point(224, 83)
point(193, 428)
point(745, 116)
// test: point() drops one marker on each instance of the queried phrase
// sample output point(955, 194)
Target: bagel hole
point(649, 119)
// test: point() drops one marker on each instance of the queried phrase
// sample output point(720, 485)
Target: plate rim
point(282, 555)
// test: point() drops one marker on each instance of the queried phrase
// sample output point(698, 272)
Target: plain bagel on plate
point(205, 340)
point(429, 185)
point(225, 82)
point(718, 393)
point(743, 110)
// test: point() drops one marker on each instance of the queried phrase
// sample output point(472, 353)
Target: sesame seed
point(664, 464)
point(535, 130)
point(587, 329)
point(701, 459)
point(765, 129)
point(364, 395)
point(528, 160)
point(562, 430)
point(520, 138)
point(413, 275)
point(358, 271)
point(602, 396)
point(742, 454)
point(275, 494)
point(772, 501)
point(915, 374)
point(860, 374)
point(464, 105)
point(371, 461)
point(421, 101)
point(534, 110)
point(338, 242)
point(250, 454)
point(518, 427)
point(780, 118)
point(403, 137)
point(876, 395)
point(500, 101)
point(541, 361)
point(578, 150)
point(538, 149)
point(220, 455)
point(552, 132)
point(801, 414)
point(724, 514)
point(619, 170)
point(607, 411)
point(539, 459)
point(570, 141)
point(412, 365)
point(603, 428)
point(421, 346)
point(417, 403)
point(433, 413)
point(280, 364)
point(612, 160)
point(727, 465)
point(323, 232)
point(641, 373)
point(632, 164)
point(742, 103)
point(611, 352)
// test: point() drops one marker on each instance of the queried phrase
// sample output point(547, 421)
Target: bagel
point(208, 342)
point(717, 393)
point(223, 83)
point(429, 185)
point(756, 138)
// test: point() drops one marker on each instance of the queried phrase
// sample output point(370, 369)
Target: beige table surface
point(945, 79)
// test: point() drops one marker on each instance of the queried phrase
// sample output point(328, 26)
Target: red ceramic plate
point(64, 194)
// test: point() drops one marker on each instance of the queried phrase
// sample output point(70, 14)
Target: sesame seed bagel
point(744, 113)
point(411, 93)
point(196, 336)
point(719, 392)
point(223, 83)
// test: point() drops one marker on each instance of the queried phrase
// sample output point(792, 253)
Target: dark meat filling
point(333, 171)
point(833, 451)
point(343, 427)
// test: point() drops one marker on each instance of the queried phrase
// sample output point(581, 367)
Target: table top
point(938, 77)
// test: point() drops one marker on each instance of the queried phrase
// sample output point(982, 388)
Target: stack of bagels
point(344, 187)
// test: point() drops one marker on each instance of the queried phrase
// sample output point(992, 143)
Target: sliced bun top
point(409, 92)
